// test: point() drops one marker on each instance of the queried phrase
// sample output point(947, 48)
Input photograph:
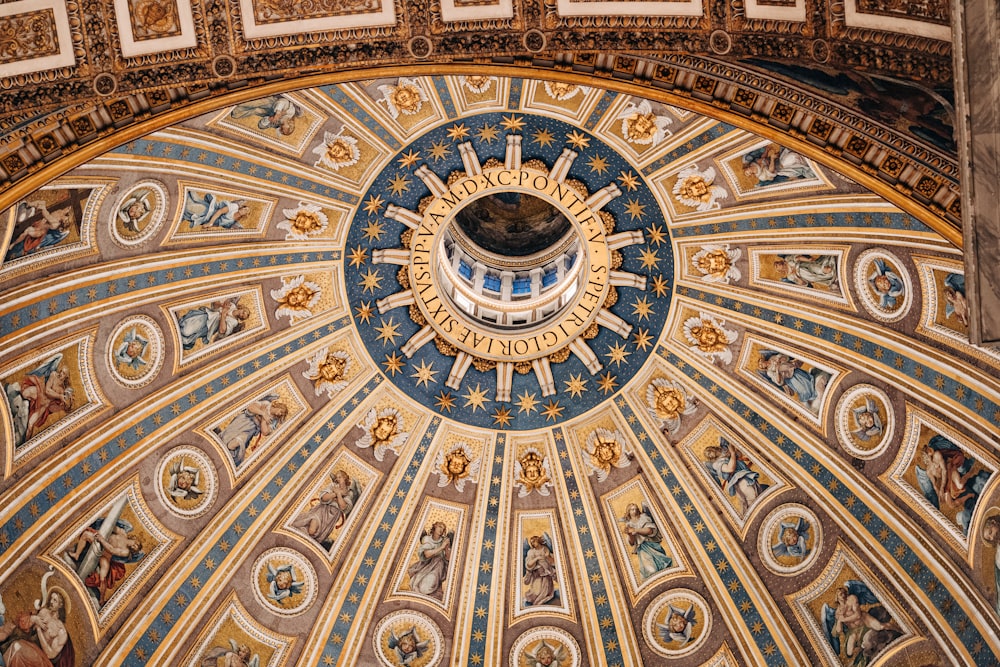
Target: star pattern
point(393, 363)
point(388, 332)
point(642, 308)
point(576, 385)
point(364, 312)
point(399, 184)
point(424, 373)
point(526, 403)
point(373, 230)
point(458, 132)
point(656, 234)
point(488, 133)
point(635, 209)
point(512, 123)
point(444, 401)
point(476, 398)
point(374, 204)
point(543, 137)
point(649, 258)
point(597, 164)
point(371, 281)
point(358, 256)
point(617, 353)
point(552, 410)
point(439, 151)
point(577, 140)
point(607, 383)
point(408, 159)
point(660, 286)
point(502, 417)
point(629, 180)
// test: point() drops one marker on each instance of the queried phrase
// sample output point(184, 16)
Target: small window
point(491, 282)
point(464, 269)
point(522, 286)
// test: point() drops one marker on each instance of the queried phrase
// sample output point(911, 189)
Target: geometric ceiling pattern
point(242, 426)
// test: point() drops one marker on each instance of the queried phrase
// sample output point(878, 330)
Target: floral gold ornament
point(296, 298)
point(667, 401)
point(695, 188)
point(641, 126)
point(605, 451)
point(328, 371)
point(709, 337)
point(304, 221)
point(457, 466)
point(407, 97)
point(383, 432)
point(717, 263)
point(532, 472)
point(337, 151)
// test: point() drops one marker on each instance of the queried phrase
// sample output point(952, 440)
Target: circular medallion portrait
point(186, 481)
point(408, 639)
point(865, 421)
point(284, 581)
point(545, 647)
point(790, 538)
point(676, 623)
point(883, 284)
point(139, 213)
point(135, 351)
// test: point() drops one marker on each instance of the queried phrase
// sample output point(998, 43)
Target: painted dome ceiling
point(246, 418)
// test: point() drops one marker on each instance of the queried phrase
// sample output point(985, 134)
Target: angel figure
point(668, 401)
point(866, 420)
point(457, 466)
point(547, 655)
point(605, 451)
point(733, 472)
point(644, 537)
point(949, 479)
point(134, 209)
point(328, 511)
point(38, 638)
point(532, 472)
point(956, 304)
point(283, 583)
point(887, 285)
point(539, 570)
point(185, 481)
point(792, 537)
point(407, 97)
point(641, 126)
point(428, 573)
point(855, 613)
point(235, 655)
point(679, 626)
point(408, 646)
point(41, 393)
point(383, 431)
point(130, 352)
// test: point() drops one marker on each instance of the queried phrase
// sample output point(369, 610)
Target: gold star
point(487, 133)
point(512, 123)
point(642, 308)
point(649, 258)
point(476, 398)
point(642, 339)
point(393, 364)
point(358, 256)
point(365, 311)
point(543, 137)
point(629, 180)
point(388, 332)
point(553, 410)
point(577, 140)
point(660, 285)
point(374, 204)
point(501, 417)
point(439, 150)
point(425, 373)
point(399, 184)
point(526, 403)
point(617, 354)
point(445, 401)
point(373, 231)
point(575, 385)
point(635, 209)
point(607, 383)
point(458, 132)
point(407, 160)
point(598, 164)
point(656, 235)
point(371, 280)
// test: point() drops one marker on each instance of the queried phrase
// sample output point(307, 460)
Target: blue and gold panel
point(114, 552)
point(792, 378)
point(850, 617)
point(334, 506)
point(765, 169)
point(206, 325)
point(428, 565)
point(731, 471)
point(942, 474)
point(284, 122)
point(232, 636)
point(814, 273)
point(208, 212)
point(256, 425)
point(53, 224)
point(646, 549)
point(47, 393)
point(538, 576)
